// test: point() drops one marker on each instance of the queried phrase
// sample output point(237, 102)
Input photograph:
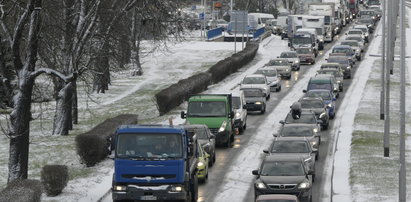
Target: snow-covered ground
point(359, 172)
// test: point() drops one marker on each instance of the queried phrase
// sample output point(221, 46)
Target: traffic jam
point(291, 167)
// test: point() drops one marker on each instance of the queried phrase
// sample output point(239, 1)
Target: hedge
point(176, 94)
point(22, 190)
point(54, 178)
point(94, 145)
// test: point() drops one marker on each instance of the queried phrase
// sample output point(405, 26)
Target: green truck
point(215, 111)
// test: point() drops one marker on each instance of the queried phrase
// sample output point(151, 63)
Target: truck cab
point(215, 111)
point(304, 41)
point(155, 162)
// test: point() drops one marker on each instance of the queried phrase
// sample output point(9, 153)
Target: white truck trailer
point(341, 13)
point(326, 10)
point(317, 23)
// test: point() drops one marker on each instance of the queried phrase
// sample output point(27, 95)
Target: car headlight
point(222, 127)
point(304, 185)
point(296, 61)
point(335, 89)
point(315, 130)
point(348, 67)
point(362, 36)
point(176, 188)
point(200, 164)
point(321, 40)
point(329, 105)
point(258, 103)
point(237, 115)
point(260, 185)
point(322, 115)
point(369, 25)
point(328, 34)
point(308, 160)
point(120, 188)
point(287, 70)
point(338, 81)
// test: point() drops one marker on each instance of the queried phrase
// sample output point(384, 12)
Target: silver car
point(282, 66)
point(292, 58)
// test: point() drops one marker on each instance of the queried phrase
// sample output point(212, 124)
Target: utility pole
point(390, 62)
point(383, 61)
point(402, 173)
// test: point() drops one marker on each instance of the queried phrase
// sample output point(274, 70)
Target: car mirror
point(289, 44)
point(315, 150)
point(264, 94)
point(244, 106)
point(282, 122)
point(183, 115)
point(304, 91)
point(265, 151)
point(255, 172)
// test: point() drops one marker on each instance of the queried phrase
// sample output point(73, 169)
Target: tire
point(263, 111)
point(279, 89)
point(268, 97)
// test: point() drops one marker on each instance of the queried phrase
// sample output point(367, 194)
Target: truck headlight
point(258, 103)
point(237, 115)
point(222, 127)
point(260, 185)
point(176, 188)
point(304, 185)
point(200, 164)
point(120, 188)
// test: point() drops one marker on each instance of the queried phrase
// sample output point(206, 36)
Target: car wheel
point(279, 89)
point(263, 110)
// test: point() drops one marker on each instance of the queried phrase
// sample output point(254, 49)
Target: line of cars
point(289, 166)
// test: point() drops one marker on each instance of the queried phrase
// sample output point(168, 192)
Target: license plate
point(148, 198)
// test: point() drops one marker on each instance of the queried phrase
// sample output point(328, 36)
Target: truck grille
point(282, 186)
point(214, 130)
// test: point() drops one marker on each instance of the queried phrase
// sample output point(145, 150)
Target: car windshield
point(290, 147)
point(295, 131)
point(277, 63)
point(254, 80)
point(311, 104)
point(303, 51)
point(330, 72)
point(301, 40)
point(326, 86)
point(339, 60)
point(363, 29)
point(206, 109)
point(322, 94)
point(282, 168)
point(253, 93)
point(349, 43)
point(304, 118)
point(267, 72)
point(288, 55)
point(341, 50)
point(141, 146)
point(236, 102)
point(354, 32)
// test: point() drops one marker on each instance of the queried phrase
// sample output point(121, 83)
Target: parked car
point(255, 99)
point(240, 110)
point(292, 58)
point(256, 81)
point(302, 131)
point(277, 198)
point(338, 75)
point(202, 165)
point(355, 46)
point(345, 63)
point(283, 175)
point(316, 105)
point(328, 98)
point(294, 146)
point(306, 55)
point(272, 77)
point(282, 66)
point(205, 138)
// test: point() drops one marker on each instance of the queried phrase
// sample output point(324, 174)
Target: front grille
point(282, 186)
point(214, 130)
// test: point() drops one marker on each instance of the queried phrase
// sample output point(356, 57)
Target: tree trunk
point(75, 106)
point(19, 134)
point(135, 60)
point(63, 117)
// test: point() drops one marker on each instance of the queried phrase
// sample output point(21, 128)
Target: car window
point(282, 168)
point(323, 95)
point(296, 132)
point(290, 147)
point(311, 104)
point(253, 93)
point(277, 63)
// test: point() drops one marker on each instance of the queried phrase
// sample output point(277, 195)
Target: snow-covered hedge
point(94, 145)
point(176, 94)
point(22, 190)
point(54, 178)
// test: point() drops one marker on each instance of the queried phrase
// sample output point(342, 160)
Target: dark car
point(328, 98)
point(205, 138)
point(302, 131)
point(345, 62)
point(255, 99)
point(369, 22)
point(323, 81)
point(283, 175)
point(294, 146)
point(316, 105)
point(305, 117)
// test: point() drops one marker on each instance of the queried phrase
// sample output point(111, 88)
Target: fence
point(213, 33)
point(258, 32)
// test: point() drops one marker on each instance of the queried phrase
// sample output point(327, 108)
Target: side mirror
point(278, 56)
point(231, 114)
point(282, 122)
point(304, 91)
point(255, 172)
point(313, 44)
point(244, 106)
point(265, 151)
point(183, 115)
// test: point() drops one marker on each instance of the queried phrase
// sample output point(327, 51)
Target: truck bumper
point(223, 137)
point(135, 192)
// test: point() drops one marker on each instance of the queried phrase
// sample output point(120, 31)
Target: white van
point(258, 20)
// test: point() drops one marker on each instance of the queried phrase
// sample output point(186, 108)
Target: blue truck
point(155, 162)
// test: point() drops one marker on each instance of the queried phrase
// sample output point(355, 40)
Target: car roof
point(342, 47)
point(330, 64)
point(354, 35)
point(349, 40)
point(267, 68)
point(362, 26)
point(254, 75)
point(319, 90)
point(302, 125)
point(322, 77)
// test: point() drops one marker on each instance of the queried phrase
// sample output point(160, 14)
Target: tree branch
point(55, 73)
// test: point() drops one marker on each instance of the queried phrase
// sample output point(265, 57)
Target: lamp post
point(402, 172)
